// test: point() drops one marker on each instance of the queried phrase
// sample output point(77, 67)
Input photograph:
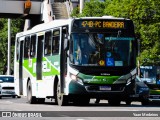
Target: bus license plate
point(104, 88)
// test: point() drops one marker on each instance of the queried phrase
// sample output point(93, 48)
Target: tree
point(16, 26)
point(145, 14)
point(92, 8)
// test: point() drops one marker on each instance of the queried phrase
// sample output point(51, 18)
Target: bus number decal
point(45, 67)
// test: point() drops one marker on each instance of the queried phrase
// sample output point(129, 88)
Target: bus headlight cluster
point(76, 78)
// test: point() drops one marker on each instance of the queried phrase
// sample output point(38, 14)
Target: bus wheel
point(30, 98)
point(61, 99)
point(55, 93)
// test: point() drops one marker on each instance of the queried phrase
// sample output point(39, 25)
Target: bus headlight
point(75, 78)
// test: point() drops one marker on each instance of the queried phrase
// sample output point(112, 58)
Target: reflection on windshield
point(100, 49)
point(7, 79)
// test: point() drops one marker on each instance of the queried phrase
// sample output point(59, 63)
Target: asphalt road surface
point(18, 108)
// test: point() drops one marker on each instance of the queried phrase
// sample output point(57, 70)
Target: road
point(101, 111)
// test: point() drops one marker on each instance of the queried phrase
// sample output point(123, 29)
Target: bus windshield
point(101, 49)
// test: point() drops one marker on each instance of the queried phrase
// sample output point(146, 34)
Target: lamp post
point(9, 47)
point(81, 5)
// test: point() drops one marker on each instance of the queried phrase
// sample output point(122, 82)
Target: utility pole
point(138, 40)
point(9, 47)
point(81, 5)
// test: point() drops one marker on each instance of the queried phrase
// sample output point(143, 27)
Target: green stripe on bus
point(98, 79)
point(48, 68)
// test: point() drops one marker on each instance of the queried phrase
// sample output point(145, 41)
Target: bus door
point(21, 49)
point(39, 57)
point(63, 58)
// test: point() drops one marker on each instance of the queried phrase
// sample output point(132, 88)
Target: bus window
point(55, 41)
point(47, 43)
point(33, 46)
point(26, 47)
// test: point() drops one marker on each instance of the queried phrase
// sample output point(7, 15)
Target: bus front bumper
point(100, 91)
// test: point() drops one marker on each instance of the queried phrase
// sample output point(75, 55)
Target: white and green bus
point(74, 60)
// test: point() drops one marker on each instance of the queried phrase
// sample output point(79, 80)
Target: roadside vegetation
point(16, 26)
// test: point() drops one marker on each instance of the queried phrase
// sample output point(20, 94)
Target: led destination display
point(99, 24)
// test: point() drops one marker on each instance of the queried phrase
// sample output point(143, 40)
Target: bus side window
point(55, 42)
point(47, 43)
point(27, 47)
point(33, 46)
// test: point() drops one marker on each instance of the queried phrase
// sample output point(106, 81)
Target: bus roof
point(60, 22)
point(45, 26)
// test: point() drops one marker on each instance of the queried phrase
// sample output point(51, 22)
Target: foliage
point(92, 8)
point(16, 26)
point(145, 14)
point(146, 17)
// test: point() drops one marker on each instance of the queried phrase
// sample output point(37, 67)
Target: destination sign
point(99, 24)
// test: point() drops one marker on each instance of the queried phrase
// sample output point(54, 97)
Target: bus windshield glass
point(101, 49)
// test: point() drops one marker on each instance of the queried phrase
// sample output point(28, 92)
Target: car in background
point(7, 86)
point(151, 76)
point(141, 93)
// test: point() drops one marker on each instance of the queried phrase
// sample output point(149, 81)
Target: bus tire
point(31, 99)
point(62, 100)
point(55, 92)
